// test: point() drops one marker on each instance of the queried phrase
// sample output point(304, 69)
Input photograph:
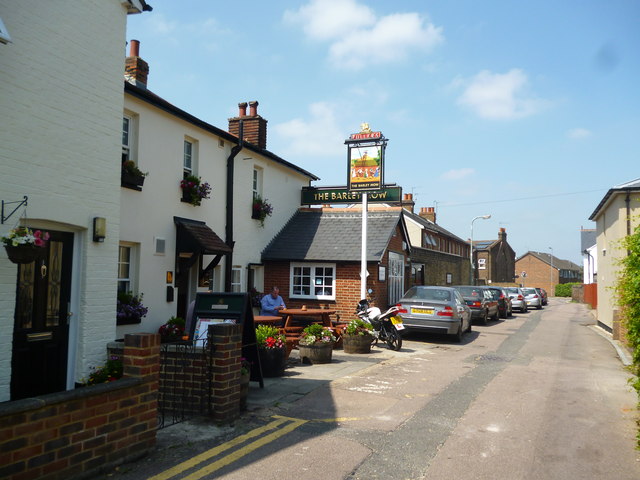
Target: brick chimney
point(254, 126)
point(502, 235)
point(136, 70)
point(428, 213)
point(407, 202)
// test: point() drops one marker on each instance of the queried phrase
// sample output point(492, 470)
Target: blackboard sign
point(224, 307)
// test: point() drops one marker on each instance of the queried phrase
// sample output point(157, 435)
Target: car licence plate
point(426, 311)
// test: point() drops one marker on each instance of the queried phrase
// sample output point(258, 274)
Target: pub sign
point(365, 170)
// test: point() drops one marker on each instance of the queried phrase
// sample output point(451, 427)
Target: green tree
point(627, 289)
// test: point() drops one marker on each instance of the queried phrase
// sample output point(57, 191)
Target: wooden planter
point(23, 253)
point(273, 361)
point(357, 343)
point(317, 353)
point(130, 180)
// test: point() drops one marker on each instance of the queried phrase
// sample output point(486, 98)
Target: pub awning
point(196, 237)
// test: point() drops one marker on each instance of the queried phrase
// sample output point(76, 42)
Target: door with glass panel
point(41, 322)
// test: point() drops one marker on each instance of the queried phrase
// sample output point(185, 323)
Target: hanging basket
point(23, 253)
point(357, 343)
point(317, 353)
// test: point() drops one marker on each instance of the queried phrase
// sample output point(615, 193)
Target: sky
point(527, 111)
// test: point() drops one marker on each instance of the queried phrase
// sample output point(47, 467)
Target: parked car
point(517, 299)
point(543, 293)
point(435, 309)
point(480, 301)
point(505, 310)
point(532, 297)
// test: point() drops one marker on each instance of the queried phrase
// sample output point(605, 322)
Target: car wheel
point(539, 307)
point(505, 314)
point(495, 316)
point(457, 337)
point(485, 317)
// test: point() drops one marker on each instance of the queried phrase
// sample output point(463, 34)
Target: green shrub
point(564, 289)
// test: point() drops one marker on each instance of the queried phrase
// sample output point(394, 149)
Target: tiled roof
point(483, 244)
point(429, 225)
point(557, 263)
point(321, 235)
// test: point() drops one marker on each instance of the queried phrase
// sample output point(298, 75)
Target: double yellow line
point(234, 456)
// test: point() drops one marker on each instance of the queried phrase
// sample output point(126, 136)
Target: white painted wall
point(590, 264)
point(61, 105)
point(149, 213)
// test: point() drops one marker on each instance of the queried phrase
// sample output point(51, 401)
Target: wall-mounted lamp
point(169, 278)
point(99, 229)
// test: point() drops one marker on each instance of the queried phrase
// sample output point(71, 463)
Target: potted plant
point(260, 209)
point(172, 331)
point(194, 190)
point(130, 309)
point(357, 336)
point(272, 350)
point(316, 344)
point(131, 176)
point(24, 245)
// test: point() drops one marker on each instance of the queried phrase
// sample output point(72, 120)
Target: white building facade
point(176, 249)
point(61, 101)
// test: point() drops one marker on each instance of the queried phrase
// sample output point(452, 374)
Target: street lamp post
point(551, 271)
point(472, 279)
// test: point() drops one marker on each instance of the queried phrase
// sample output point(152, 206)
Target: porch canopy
point(195, 238)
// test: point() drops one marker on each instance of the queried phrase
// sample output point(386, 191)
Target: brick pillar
point(226, 341)
point(141, 359)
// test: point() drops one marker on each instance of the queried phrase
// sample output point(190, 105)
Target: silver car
point(518, 301)
point(435, 309)
point(532, 297)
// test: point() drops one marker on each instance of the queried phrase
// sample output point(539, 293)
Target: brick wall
point(347, 282)
point(438, 264)
point(84, 431)
point(539, 274)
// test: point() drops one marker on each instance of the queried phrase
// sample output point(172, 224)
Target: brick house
point(546, 271)
point(495, 260)
point(438, 257)
point(315, 259)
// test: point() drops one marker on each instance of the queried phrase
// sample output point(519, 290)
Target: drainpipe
point(228, 265)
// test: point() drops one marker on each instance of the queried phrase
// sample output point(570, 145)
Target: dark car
point(504, 301)
point(480, 301)
point(543, 294)
point(435, 309)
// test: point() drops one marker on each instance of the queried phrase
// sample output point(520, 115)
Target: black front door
point(41, 327)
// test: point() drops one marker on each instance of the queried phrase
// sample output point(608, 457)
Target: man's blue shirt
point(269, 305)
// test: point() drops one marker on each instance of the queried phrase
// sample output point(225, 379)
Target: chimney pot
point(253, 108)
point(242, 109)
point(134, 51)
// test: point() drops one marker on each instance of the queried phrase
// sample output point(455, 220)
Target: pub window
point(313, 281)
point(236, 279)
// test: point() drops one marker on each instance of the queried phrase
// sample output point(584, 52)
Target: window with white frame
point(313, 280)
point(187, 162)
point(236, 279)
point(129, 135)
point(126, 268)
point(257, 182)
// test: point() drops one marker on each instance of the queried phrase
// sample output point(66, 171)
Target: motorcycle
point(387, 324)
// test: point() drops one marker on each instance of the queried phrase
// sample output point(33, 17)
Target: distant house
point(537, 269)
point(495, 260)
point(316, 258)
point(183, 247)
point(589, 248)
point(616, 216)
point(438, 257)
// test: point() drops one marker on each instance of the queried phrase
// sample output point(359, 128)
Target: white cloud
point(457, 174)
point(328, 19)
point(359, 38)
point(578, 133)
point(499, 96)
point(318, 136)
